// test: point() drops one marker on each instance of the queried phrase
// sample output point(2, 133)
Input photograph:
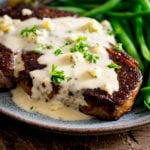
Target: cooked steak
point(7, 57)
point(6, 68)
point(99, 102)
point(113, 106)
point(31, 63)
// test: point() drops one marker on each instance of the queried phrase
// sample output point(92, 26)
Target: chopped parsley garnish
point(114, 65)
point(58, 75)
point(118, 47)
point(68, 43)
point(81, 39)
point(82, 46)
point(31, 108)
point(73, 65)
point(91, 58)
point(110, 32)
point(26, 31)
point(68, 79)
point(41, 47)
point(58, 52)
point(69, 31)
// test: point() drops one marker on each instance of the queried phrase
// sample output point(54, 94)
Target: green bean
point(102, 8)
point(148, 80)
point(86, 6)
point(82, 1)
point(76, 10)
point(146, 94)
point(121, 15)
point(145, 4)
point(147, 33)
point(72, 4)
point(140, 36)
point(127, 43)
point(127, 27)
point(147, 103)
point(123, 5)
point(146, 90)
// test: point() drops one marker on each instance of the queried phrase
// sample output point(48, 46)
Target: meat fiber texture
point(99, 102)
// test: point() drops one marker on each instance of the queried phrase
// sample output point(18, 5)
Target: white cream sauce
point(56, 32)
point(55, 109)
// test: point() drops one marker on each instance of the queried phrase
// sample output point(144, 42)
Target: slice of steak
point(30, 63)
point(6, 68)
point(112, 107)
point(100, 103)
point(7, 58)
point(30, 60)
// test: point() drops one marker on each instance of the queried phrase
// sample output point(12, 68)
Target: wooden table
point(18, 136)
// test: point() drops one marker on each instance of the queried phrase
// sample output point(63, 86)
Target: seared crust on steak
point(99, 102)
point(6, 68)
point(30, 64)
point(112, 107)
point(39, 12)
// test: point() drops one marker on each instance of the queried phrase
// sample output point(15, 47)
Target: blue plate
point(133, 119)
point(89, 127)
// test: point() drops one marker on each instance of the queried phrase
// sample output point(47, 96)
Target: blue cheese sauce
point(57, 40)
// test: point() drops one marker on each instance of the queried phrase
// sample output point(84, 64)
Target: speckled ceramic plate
point(94, 126)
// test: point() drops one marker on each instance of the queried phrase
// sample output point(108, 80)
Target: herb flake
point(114, 65)
point(41, 47)
point(82, 46)
point(57, 75)
point(26, 31)
point(118, 47)
point(58, 52)
point(31, 108)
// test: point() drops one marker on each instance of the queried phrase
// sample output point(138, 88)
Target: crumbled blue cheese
point(75, 57)
point(47, 24)
point(91, 27)
point(96, 48)
point(108, 88)
point(7, 24)
point(41, 36)
point(26, 12)
point(72, 37)
point(95, 72)
point(106, 25)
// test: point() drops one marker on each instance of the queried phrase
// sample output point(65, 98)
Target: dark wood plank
point(18, 136)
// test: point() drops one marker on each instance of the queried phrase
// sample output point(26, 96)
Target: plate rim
point(74, 130)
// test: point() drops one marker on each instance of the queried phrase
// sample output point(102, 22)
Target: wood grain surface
point(19, 136)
